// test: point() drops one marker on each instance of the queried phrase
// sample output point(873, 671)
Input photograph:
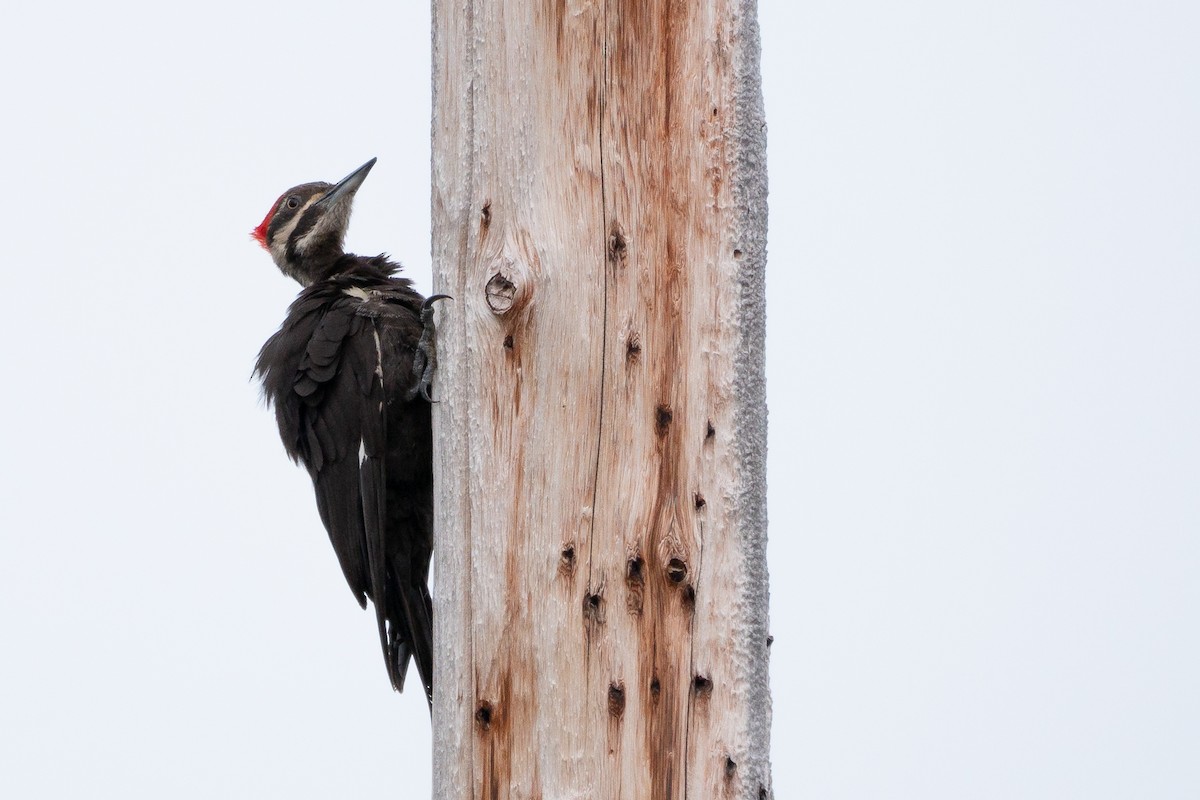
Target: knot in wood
point(513, 267)
point(501, 293)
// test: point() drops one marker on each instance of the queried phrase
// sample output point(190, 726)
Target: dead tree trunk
point(599, 215)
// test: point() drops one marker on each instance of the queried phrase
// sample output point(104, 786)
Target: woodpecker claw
point(425, 357)
point(427, 306)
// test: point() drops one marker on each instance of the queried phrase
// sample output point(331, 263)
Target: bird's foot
point(425, 357)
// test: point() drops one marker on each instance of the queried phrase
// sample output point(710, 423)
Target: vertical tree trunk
point(599, 214)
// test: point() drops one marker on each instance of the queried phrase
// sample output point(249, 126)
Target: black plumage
point(348, 376)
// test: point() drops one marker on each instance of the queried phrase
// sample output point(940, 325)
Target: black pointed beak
point(348, 185)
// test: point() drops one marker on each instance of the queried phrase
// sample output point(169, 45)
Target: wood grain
point(600, 581)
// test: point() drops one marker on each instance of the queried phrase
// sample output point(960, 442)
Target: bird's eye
point(293, 201)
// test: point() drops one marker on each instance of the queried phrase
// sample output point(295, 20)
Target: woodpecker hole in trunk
point(593, 608)
point(635, 581)
point(566, 562)
point(618, 251)
point(633, 348)
point(662, 419)
point(616, 699)
point(633, 571)
point(483, 716)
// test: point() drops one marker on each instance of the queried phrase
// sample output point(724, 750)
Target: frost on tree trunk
point(599, 215)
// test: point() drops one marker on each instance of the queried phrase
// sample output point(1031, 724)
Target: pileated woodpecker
point(348, 374)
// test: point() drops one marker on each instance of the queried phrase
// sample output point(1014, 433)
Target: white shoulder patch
point(357, 292)
point(362, 452)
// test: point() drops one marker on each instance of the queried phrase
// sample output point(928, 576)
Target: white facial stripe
point(336, 218)
point(280, 239)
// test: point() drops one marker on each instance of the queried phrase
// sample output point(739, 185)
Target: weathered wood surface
point(600, 581)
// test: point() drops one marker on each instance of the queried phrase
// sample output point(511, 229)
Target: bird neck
point(320, 263)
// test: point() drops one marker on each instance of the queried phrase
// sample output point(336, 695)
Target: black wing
point(333, 373)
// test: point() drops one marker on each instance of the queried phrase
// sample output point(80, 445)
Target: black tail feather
point(414, 613)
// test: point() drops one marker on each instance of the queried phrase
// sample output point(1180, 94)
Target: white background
point(983, 296)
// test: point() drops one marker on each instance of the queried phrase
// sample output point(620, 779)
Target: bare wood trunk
point(599, 212)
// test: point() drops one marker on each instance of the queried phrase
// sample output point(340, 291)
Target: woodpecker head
point(306, 226)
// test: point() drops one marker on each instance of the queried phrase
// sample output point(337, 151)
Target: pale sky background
point(984, 313)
